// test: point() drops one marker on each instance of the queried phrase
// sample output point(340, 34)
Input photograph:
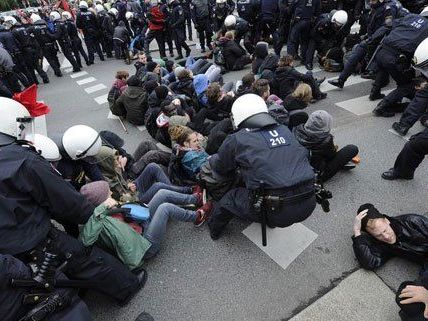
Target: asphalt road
point(195, 278)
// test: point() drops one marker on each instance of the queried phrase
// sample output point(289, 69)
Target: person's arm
point(118, 107)
point(50, 191)
point(92, 171)
point(224, 162)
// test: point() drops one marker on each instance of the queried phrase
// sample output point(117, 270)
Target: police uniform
point(395, 55)
point(76, 43)
point(178, 28)
point(220, 12)
point(303, 13)
point(415, 110)
point(87, 21)
point(270, 156)
point(242, 31)
point(185, 4)
point(107, 26)
point(32, 194)
point(61, 35)
point(201, 16)
point(47, 43)
point(284, 7)
point(354, 10)
point(31, 52)
point(249, 10)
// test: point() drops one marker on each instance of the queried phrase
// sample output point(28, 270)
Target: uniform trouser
point(412, 155)
point(299, 35)
point(179, 39)
point(388, 64)
point(108, 274)
point(188, 19)
point(78, 50)
point(159, 35)
point(204, 32)
point(120, 49)
point(283, 31)
point(108, 44)
point(357, 55)
point(412, 113)
point(342, 157)
point(237, 202)
point(50, 53)
point(4, 91)
point(11, 81)
point(67, 51)
point(93, 46)
point(313, 44)
point(248, 42)
point(11, 298)
point(34, 62)
point(168, 40)
point(20, 69)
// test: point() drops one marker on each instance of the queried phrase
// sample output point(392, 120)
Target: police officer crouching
point(274, 167)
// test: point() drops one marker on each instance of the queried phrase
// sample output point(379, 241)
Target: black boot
point(424, 121)
point(375, 94)
point(381, 110)
point(400, 128)
point(368, 75)
point(188, 52)
point(336, 82)
point(393, 175)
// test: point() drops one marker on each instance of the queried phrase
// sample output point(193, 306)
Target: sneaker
point(320, 81)
point(203, 214)
point(197, 189)
point(321, 96)
point(349, 165)
point(424, 121)
point(199, 199)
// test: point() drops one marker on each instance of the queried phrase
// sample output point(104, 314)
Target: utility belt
point(289, 195)
point(403, 57)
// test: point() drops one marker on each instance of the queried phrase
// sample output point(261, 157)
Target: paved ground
point(195, 278)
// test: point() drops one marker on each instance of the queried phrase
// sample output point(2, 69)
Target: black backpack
point(176, 172)
point(219, 57)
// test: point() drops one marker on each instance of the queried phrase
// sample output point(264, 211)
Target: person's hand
point(231, 93)
point(122, 162)
point(176, 102)
point(110, 202)
point(357, 222)
point(132, 187)
point(415, 294)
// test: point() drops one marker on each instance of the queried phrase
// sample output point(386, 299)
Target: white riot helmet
point(129, 15)
point(54, 16)
point(340, 18)
point(99, 8)
point(10, 21)
point(420, 58)
point(114, 12)
point(47, 148)
point(98, 2)
point(171, 2)
point(66, 15)
point(35, 17)
point(83, 5)
point(81, 141)
point(220, 1)
point(10, 111)
point(230, 21)
point(424, 12)
point(251, 106)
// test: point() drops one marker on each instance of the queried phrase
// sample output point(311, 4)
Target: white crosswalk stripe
point(352, 80)
point(67, 70)
point(86, 81)
point(303, 69)
point(95, 88)
point(79, 74)
point(141, 128)
point(65, 64)
point(406, 137)
point(360, 105)
point(101, 99)
point(111, 116)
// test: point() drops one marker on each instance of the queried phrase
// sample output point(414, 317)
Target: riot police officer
point(242, 31)
point(178, 28)
point(47, 43)
point(33, 193)
point(273, 166)
point(201, 16)
point(249, 10)
point(221, 10)
point(185, 4)
point(102, 15)
point(354, 9)
point(108, 24)
point(284, 7)
point(88, 23)
point(61, 35)
point(76, 43)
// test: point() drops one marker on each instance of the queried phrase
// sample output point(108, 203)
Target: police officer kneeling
point(272, 165)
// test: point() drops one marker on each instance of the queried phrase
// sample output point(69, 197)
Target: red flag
point(28, 98)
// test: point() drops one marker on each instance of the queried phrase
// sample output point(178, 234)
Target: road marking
point(406, 137)
point(360, 105)
point(95, 88)
point(111, 116)
point(66, 63)
point(85, 81)
point(141, 128)
point(101, 99)
point(67, 71)
point(284, 245)
point(352, 80)
point(302, 69)
point(79, 74)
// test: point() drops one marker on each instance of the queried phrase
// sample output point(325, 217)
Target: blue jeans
point(161, 210)
point(153, 179)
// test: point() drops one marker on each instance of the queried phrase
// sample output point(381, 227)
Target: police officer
point(47, 43)
point(88, 23)
point(354, 9)
point(249, 10)
point(31, 51)
point(325, 34)
point(36, 193)
point(242, 31)
point(102, 15)
point(269, 158)
point(303, 14)
point(221, 10)
point(394, 58)
point(269, 15)
point(284, 8)
point(201, 16)
point(7, 75)
point(178, 28)
point(108, 24)
point(61, 35)
point(76, 42)
point(157, 15)
point(185, 4)
point(380, 15)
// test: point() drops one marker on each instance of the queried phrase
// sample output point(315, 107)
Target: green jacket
point(114, 235)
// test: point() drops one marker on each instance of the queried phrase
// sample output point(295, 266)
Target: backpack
point(219, 57)
point(176, 172)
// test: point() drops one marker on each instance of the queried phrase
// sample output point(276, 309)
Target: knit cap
point(96, 192)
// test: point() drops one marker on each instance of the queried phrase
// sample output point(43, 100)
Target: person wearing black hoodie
point(286, 78)
point(246, 86)
point(315, 136)
point(260, 53)
point(235, 56)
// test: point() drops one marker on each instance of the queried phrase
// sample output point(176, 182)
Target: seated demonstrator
point(32, 193)
point(266, 153)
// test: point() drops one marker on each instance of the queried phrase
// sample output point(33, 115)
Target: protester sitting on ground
point(379, 237)
point(260, 53)
point(184, 84)
point(119, 86)
point(236, 58)
point(325, 157)
point(286, 78)
point(200, 83)
point(219, 102)
point(140, 65)
point(296, 102)
point(132, 104)
point(246, 85)
point(203, 66)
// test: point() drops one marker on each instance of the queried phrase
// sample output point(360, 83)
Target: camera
point(322, 195)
